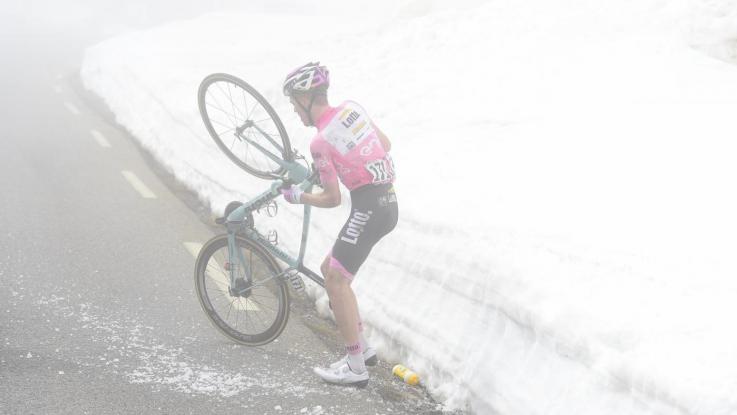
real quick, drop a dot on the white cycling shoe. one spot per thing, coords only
(369, 356)
(343, 375)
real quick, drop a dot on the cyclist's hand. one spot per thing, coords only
(292, 194)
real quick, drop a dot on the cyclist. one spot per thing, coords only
(348, 146)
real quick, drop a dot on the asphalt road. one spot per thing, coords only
(97, 308)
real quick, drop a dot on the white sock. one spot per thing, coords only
(355, 358)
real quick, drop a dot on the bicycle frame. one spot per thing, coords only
(236, 222)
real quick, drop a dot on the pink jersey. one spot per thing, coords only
(347, 145)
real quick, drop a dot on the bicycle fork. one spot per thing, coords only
(240, 287)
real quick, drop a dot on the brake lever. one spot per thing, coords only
(286, 183)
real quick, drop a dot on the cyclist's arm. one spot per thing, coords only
(328, 198)
(384, 140)
(323, 159)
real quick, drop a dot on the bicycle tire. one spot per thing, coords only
(213, 113)
(206, 286)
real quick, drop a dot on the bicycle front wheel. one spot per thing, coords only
(254, 313)
(244, 125)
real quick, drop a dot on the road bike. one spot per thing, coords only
(241, 286)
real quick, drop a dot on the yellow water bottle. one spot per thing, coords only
(407, 375)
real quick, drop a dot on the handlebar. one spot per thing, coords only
(280, 182)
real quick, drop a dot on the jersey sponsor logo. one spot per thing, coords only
(348, 130)
(348, 121)
(385, 200)
(342, 169)
(369, 147)
(358, 128)
(355, 226)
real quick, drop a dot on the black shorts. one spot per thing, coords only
(374, 213)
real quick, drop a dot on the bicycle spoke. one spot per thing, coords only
(245, 104)
(226, 94)
(217, 270)
(253, 107)
(211, 94)
(232, 103)
(216, 105)
(244, 111)
(225, 131)
(261, 320)
(235, 138)
(240, 307)
(229, 308)
(262, 305)
(250, 317)
(223, 294)
(220, 108)
(270, 299)
(219, 281)
(261, 295)
(212, 120)
(223, 125)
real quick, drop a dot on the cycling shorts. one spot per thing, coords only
(374, 213)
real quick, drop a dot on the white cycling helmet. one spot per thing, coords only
(306, 78)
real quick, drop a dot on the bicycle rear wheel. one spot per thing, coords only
(240, 120)
(259, 314)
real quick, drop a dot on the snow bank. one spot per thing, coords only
(565, 181)
(714, 27)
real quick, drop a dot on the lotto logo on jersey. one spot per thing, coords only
(350, 119)
(355, 226)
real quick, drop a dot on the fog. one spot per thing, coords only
(56, 33)
(596, 254)
(45, 40)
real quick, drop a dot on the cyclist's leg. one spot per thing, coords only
(352, 368)
(369, 354)
(324, 270)
(351, 250)
(345, 308)
(369, 221)
(343, 299)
